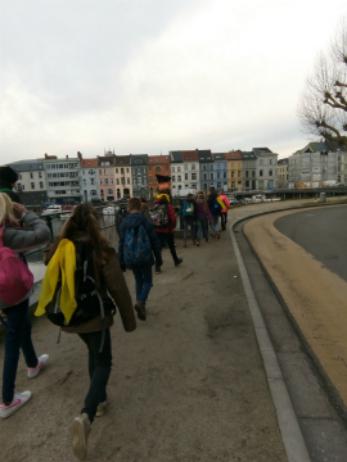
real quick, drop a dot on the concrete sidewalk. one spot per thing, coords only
(188, 385)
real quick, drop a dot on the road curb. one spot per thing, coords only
(290, 429)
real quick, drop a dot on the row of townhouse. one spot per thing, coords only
(234, 171)
(316, 165)
(111, 177)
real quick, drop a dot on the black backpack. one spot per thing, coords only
(91, 300)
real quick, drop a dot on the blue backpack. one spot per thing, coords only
(137, 249)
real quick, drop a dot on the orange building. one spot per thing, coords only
(157, 165)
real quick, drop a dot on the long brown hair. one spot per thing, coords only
(83, 225)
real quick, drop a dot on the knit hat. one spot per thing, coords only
(8, 175)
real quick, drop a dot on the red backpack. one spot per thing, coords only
(16, 280)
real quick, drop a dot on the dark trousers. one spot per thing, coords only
(143, 281)
(17, 337)
(99, 365)
(169, 239)
(189, 223)
(224, 219)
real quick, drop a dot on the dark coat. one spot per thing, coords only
(134, 220)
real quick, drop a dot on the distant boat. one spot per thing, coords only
(52, 209)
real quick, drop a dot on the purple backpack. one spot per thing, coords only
(16, 280)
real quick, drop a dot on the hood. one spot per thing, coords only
(134, 219)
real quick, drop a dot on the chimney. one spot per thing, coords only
(79, 155)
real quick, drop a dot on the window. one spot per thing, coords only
(157, 169)
(193, 176)
(106, 180)
(260, 173)
(128, 180)
(31, 175)
(32, 185)
(122, 171)
(270, 172)
(92, 181)
(41, 185)
(179, 178)
(186, 177)
(178, 169)
(40, 174)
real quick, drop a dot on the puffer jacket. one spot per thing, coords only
(33, 233)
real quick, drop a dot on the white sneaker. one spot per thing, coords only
(101, 409)
(80, 431)
(19, 400)
(42, 363)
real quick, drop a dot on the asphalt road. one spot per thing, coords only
(322, 233)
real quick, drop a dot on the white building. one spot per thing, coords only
(177, 172)
(266, 166)
(63, 179)
(90, 186)
(314, 166)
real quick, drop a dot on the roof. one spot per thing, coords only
(218, 155)
(233, 155)
(89, 163)
(205, 155)
(176, 156)
(158, 159)
(248, 155)
(263, 150)
(122, 161)
(28, 165)
(284, 161)
(190, 156)
(138, 159)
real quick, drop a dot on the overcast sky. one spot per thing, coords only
(149, 76)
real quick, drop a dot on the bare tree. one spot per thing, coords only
(324, 106)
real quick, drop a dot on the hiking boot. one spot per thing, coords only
(19, 400)
(42, 363)
(141, 311)
(80, 431)
(101, 409)
(178, 261)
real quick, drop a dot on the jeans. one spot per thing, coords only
(215, 225)
(143, 281)
(99, 365)
(189, 222)
(202, 229)
(168, 238)
(17, 337)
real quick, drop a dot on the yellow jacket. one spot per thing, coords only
(62, 267)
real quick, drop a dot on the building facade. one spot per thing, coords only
(139, 175)
(176, 170)
(157, 165)
(314, 166)
(123, 180)
(206, 169)
(266, 166)
(234, 171)
(282, 173)
(90, 185)
(106, 170)
(220, 171)
(63, 179)
(191, 171)
(31, 184)
(249, 170)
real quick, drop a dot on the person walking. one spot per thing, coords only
(163, 217)
(203, 217)
(139, 248)
(81, 245)
(215, 206)
(16, 317)
(224, 211)
(188, 216)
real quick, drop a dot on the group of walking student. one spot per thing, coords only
(84, 284)
(203, 216)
